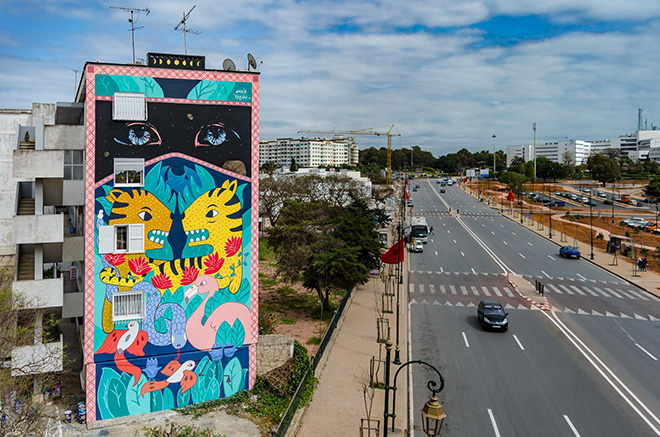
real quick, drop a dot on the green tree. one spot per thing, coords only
(269, 168)
(293, 166)
(603, 168)
(653, 188)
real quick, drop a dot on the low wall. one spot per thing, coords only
(273, 351)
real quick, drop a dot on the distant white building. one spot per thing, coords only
(310, 153)
(556, 151)
(524, 152)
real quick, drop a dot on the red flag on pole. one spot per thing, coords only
(509, 196)
(405, 195)
(395, 253)
(465, 180)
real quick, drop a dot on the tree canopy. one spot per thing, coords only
(604, 169)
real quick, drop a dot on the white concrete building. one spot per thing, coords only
(524, 152)
(310, 153)
(556, 151)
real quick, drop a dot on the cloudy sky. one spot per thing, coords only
(447, 73)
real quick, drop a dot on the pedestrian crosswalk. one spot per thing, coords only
(460, 290)
(461, 214)
(565, 310)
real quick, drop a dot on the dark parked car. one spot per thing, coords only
(607, 201)
(442, 190)
(491, 314)
(569, 252)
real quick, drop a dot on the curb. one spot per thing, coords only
(544, 307)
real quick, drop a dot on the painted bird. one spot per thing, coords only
(177, 373)
(131, 340)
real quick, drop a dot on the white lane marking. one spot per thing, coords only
(483, 225)
(501, 226)
(603, 369)
(637, 294)
(521, 255)
(505, 242)
(421, 288)
(590, 291)
(448, 231)
(530, 244)
(453, 289)
(443, 290)
(454, 241)
(551, 257)
(485, 290)
(492, 421)
(464, 290)
(645, 351)
(566, 289)
(462, 254)
(474, 290)
(614, 293)
(411, 286)
(497, 291)
(577, 434)
(436, 253)
(553, 288)
(431, 288)
(444, 224)
(545, 273)
(513, 233)
(603, 293)
(577, 289)
(581, 276)
(509, 292)
(441, 270)
(518, 341)
(473, 270)
(492, 232)
(625, 293)
(465, 339)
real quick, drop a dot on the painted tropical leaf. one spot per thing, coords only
(156, 401)
(160, 325)
(117, 398)
(150, 87)
(177, 297)
(182, 399)
(105, 86)
(223, 335)
(204, 90)
(212, 391)
(232, 378)
(193, 305)
(135, 402)
(168, 399)
(107, 375)
(238, 333)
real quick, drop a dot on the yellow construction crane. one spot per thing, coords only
(368, 131)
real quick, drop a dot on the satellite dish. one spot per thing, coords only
(228, 65)
(252, 62)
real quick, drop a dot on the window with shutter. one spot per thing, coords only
(129, 106)
(136, 238)
(106, 239)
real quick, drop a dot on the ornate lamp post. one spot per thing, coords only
(494, 162)
(432, 414)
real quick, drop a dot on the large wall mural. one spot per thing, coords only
(174, 321)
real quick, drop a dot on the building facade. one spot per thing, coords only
(310, 153)
(171, 212)
(524, 152)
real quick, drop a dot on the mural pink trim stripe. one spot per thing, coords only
(188, 101)
(255, 231)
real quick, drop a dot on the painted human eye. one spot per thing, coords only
(213, 135)
(138, 134)
(144, 215)
(212, 213)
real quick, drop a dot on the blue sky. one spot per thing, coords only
(447, 73)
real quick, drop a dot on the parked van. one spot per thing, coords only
(625, 198)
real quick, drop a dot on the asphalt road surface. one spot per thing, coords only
(588, 368)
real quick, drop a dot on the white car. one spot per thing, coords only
(418, 246)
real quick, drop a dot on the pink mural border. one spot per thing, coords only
(91, 70)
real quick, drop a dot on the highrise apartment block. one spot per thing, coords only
(310, 153)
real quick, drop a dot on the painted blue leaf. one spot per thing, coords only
(232, 377)
(238, 333)
(168, 399)
(243, 381)
(193, 305)
(182, 399)
(117, 398)
(156, 401)
(102, 394)
(178, 295)
(105, 86)
(213, 391)
(223, 335)
(168, 313)
(135, 402)
(160, 325)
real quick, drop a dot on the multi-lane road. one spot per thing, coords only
(587, 368)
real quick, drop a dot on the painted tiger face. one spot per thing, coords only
(140, 206)
(211, 220)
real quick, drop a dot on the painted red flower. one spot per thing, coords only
(189, 275)
(213, 263)
(232, 246)
(139, 266)
(116, 259)
(161, 281)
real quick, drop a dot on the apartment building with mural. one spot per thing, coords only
(142, 197)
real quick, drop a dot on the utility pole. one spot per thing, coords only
(132, 21)
(186, 30)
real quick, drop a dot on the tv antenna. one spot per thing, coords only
(186, 30)
(252, 62)
(132, 21)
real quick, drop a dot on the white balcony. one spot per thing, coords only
(34, 229)
(38, 358)
(30, 164)
(43, 293)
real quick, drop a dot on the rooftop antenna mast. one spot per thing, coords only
(132, 21)
(186, 30)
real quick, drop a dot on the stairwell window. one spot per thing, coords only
(129, 172)
(73, 165)
(127, 305)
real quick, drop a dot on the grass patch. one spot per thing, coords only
(287, 321)
(314, 340)
(268, 282)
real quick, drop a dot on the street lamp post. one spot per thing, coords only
(432, 414)
(534, 127)
(550, 214)
(399, 281)
(591, 225)
(494, 161)
(520, 201)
